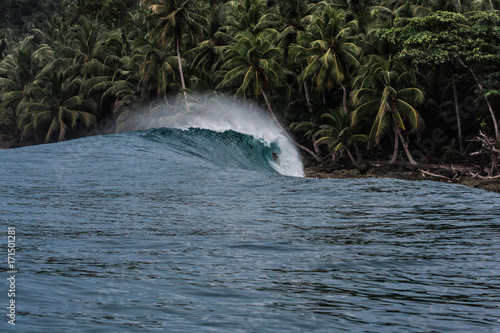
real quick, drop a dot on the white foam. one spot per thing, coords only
(222, 114)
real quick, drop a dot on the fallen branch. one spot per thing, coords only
(484, 177)
(435, 175)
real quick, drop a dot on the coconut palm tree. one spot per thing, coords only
(56, 106)
(291, 16)
(252, 67)
(208, 55)
(388, 10)
(247, 15)
(17, 72)
(387, 92)
(328, 52)
(173, 19)
(156, 68)
(339, 135)
(88, 40)
(310, 125)
(5, 41)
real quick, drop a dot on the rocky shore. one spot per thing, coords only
(469, 175)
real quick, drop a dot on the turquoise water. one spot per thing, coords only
(202, 231)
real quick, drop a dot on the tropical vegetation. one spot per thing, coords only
(350, 80)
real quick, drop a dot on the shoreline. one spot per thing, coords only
(447, 173)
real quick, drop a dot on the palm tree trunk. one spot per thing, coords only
(405, 146)
(358, 152)
(394, 158)
(352, 157)
(308, 101)
(315, 145)
(308, 97)
(165, 97)
(181, 73)
(273, 117)
(481, 87)
(164, 87)
(269, 108)
(344, 97)
(457, 111)
(306, 91)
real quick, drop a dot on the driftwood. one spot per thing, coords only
(478, 176)
(436, 175)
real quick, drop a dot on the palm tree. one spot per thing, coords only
(484, 5)
(4, 42)
(327, 49)
(172, 19)
(155, 66)
(387, 92)
(247, 15)
(110, 80)
(17, 72)
(339, 135)
(310, 124)
(252, 67)
(53, 31)
(56, 106)
(387, 11)
(293, 16)
(88, 40)
(208, 55)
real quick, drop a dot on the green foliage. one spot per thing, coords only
(110, 12)
(302, 59)
(55, 106)
(25, 14)
(337, 132)
(387, 91)
(430, 40)
(453, 39)
(327, 50)
(251, 65)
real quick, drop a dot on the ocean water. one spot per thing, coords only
(202, 230)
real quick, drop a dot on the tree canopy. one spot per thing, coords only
(337, 74)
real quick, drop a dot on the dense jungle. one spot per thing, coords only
(355, 83)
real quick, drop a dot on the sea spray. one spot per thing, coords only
(221, 114)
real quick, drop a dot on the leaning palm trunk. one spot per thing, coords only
(181, 73)
(394, 158)
(306, 92)
(273, 117)
(269, 108)
(353, 160)
(308, 101)
(407, 151)
(404, 143)
(315, 144)
(344, 97)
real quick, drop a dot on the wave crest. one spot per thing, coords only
(247, 130)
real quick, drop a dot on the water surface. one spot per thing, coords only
(202, 231)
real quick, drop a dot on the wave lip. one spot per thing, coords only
(229, 149)
(231, 119)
